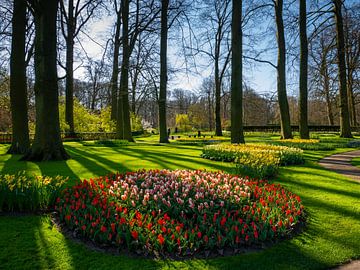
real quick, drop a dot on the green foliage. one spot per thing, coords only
(86, 121)
(136, 124)
(107, 125)
(107, 143)
(22, 193)
(311, 144)
(183, 122)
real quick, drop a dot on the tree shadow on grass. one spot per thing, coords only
(164, 159)
(94, 162)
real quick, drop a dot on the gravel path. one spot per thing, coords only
(341, 163)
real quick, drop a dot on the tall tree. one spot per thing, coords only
(115, 70)
(352, 52)
(281, 72)
(303, 80)
(163, 71)
(47, 143)
(345, 129)
(18, 91)
(72, 21)
(237, 132)
(123, 126)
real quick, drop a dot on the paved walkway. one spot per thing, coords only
(341, 163)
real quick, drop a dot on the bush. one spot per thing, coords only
(354, 144)
(180, 211)
(200, 140)
(107, 143)
(28, 194)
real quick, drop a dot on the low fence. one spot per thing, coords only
(81, 136)
(89, 136)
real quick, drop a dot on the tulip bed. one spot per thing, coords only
(179, 212)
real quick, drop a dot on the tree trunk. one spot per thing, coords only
(303, 81)
(326, 86)
(281, 76)
(351, 61)
(115, 69)
(124, 116)
(345, 129)
(47, 144)
(218, 129)
(163, 72)
(237, 130)
(210, 110)
(69, 87)
(18, 92)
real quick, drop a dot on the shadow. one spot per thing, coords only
(94, 162)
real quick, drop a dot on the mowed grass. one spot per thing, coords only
(332, 235)
(356, 162)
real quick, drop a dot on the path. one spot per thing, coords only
(341, 163)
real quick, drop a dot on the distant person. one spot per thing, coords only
(168, 132)
(176, 130)
(199, 133)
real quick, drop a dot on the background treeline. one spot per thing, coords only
(55, 60)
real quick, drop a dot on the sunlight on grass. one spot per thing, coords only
(332, 235)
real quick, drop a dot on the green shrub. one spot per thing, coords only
(107, 143)
(312, 144)
(28, 194)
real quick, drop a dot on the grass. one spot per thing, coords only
(331, 237)
(356, 162)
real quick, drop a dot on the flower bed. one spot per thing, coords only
(23, 193)
(254, 159)
(179, 212)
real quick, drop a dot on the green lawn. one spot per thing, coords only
(356, 162)
(331, 237)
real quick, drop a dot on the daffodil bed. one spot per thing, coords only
(179, 212)
(255, 160)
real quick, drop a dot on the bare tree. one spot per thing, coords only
(74, 16)
(163, 71)
(345, 129)
(281, 70)
(303, 78)
(18, 90)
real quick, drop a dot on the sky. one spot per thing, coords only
(260, 77)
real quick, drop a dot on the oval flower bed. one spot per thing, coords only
(179, 212)
(255, 160)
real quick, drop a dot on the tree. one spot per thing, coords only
(123, 125)
(47, 143)
(163, 71)
(281, 72)
(215, 44)
(352, 52)
(18, 90)
(237, 132)
(303, 80)
(115, 70)
(345, 129)
(72, 21)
